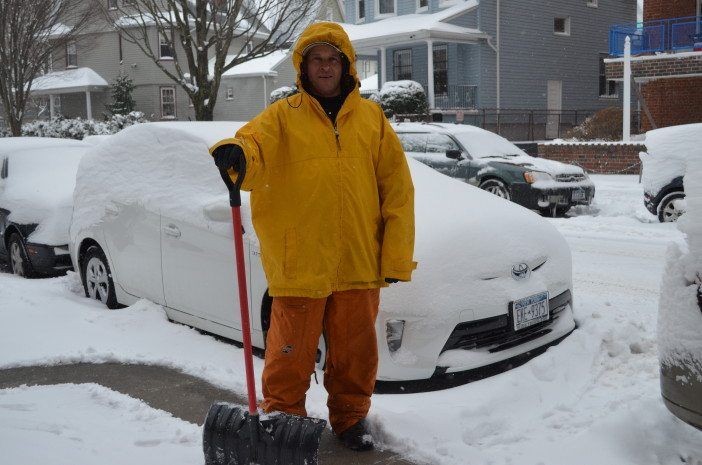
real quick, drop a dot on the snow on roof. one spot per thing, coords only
(369, 83)
(413, 26)
(262, 66)
(70, 80)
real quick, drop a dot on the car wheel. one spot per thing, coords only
(671, 207)
(497, 187)
(19, 262)
(97, 278)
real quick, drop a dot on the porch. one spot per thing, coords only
(664, 35)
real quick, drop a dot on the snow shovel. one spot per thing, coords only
(233, 436)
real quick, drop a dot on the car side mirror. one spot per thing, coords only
(454, 154)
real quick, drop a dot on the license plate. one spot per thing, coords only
(578, 194)
(530, 310)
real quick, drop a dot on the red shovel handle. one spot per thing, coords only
(235, 202)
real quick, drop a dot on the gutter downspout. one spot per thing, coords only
(265, 92)
(496, 48)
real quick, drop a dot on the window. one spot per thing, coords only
(71, 55)
(361, 10)
(592, 3)
(440, 69)
(49, 64)
(413, 142)
(111, 4)
(440, 143)
(168, 103)
(385, 7)
(561, 26)
(402, 64)
(422, 5)
(165, 50)
(230, 93)
(129, 2)
(608, 88)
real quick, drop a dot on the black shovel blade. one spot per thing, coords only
(231, 436)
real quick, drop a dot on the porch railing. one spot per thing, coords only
(661, 35)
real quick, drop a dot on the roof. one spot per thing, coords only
(262, 66)
(68, 81)
(414, 27)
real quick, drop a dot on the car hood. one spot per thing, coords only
(551, 167)
(466, 237)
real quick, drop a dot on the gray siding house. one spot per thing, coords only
(102, 54)
(485, 58)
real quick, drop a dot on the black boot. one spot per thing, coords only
(357, 437)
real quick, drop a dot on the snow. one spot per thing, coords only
(667, 152)
(680, 316)
(262, 66)
(90, 424)
(70, 80)
(39, 188)
(594, 398)
(370, 83)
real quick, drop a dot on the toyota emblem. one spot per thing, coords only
(521, 271)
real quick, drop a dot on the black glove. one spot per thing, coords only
(391, 280)
(228, 156)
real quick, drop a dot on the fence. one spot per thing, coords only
(656, 36)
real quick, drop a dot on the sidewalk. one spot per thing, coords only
(184, 396)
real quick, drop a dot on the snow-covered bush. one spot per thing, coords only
(283, 92)
(403, 98)
(605, 124)
(78, 128)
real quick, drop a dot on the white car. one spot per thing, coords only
(37, 177)
(493, 163)
(152, 220)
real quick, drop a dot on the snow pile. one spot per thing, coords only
(39, 189)
(70, 424)
(668, 148)
(370, 83)
(680, 317)
(165, 167)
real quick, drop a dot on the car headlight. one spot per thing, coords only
(394, 329)
(532, 176)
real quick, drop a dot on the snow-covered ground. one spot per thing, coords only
(592, 399)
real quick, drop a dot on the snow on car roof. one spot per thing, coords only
(8, 144)
(666, 149)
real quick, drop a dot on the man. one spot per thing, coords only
(333, 205)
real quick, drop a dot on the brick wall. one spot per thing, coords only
(660, 66)
(673, 101)
(662, 9)
(596, 158)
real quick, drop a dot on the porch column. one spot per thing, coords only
(430, 73)
(52, 108)
(382, 66)
(88, 105)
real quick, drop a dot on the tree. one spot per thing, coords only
(208, 37)
(122, 101)
(29, 31)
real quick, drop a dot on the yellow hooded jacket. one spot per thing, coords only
(333, 207)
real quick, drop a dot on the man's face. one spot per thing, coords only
(324, 69)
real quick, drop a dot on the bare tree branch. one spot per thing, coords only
(29, 31)
(208, 37)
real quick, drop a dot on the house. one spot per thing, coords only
(666, 63)
(528, 68)
(78, 78)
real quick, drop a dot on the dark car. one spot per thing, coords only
(37, 176)
(494, 164)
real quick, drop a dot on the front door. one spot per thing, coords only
(554, 105)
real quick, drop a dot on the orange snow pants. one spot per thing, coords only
(348, 321)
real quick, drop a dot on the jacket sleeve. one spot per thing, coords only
(259, 139)
(396, 206)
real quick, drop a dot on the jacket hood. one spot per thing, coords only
(331, 33)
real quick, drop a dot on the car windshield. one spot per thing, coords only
(488, 145)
